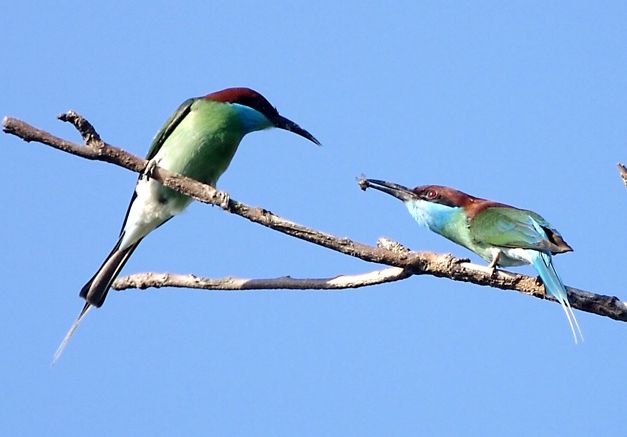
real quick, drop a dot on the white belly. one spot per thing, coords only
(514, 256)
(149, 211)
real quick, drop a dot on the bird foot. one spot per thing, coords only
(493, 272)
(493, 264)
(224, 199)
(150, 169)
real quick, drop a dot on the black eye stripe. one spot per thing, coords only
(259, 104)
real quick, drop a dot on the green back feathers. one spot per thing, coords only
(503, 226)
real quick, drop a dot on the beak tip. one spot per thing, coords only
(288, 125)
(314, 140)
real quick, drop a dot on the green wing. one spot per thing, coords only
(169, 127)
(516, 228)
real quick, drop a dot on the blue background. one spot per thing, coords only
(521, 102)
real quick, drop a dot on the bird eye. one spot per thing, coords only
(432, 194)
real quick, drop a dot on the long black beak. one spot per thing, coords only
(396, 190)
(284, 123)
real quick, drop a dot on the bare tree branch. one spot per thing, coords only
(623, 173)
(414, 263)
(342, 282)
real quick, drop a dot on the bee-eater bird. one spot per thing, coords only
(501, 234)
(198, 141)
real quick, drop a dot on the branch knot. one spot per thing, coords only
(84, 127)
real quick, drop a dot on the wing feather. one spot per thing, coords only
(169, 126)
(516, 228)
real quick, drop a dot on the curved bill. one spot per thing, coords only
(396, 190)
(284, 123)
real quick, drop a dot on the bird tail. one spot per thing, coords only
(96, 289)
(555, 287)
(70, 332)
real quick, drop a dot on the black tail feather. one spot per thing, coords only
(96, 289)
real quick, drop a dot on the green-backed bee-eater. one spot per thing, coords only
(501, 234)
(198, 141)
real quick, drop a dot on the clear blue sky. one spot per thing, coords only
(524, 102)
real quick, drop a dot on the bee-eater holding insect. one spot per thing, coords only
(197, 141)
(501, 234)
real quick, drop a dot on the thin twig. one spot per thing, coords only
(416, 263)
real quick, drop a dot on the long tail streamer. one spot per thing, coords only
(555, 287)
(69, 334)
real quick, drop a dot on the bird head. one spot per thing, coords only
(436, 194)
(430, 205)
(256, 112)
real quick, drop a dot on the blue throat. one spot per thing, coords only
(435, 216)
(251, 119)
